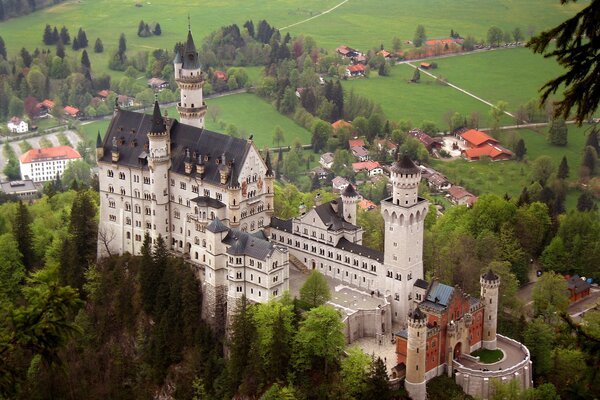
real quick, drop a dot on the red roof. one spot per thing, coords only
(343, 50)
(48, 103)
(366, 204)
(357, 68)
(368, 165)
(340, 123)
(72, 111)
(61, 152)
(422, 137)
(356, 143)
(15, 120)
(433, 42)
(384, 53)
(220, 75)
(458, 192)
(491, 150)
(477, 138)
(103, 93)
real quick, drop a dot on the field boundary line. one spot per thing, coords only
(460, 90)
(315, 16)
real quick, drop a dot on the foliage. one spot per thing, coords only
(420, 36)
(557, 134)
(577, 56)
(550, 296)
(315, 291)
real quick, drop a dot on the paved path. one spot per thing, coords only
(314, 16)
(512, 356)
(461, 90)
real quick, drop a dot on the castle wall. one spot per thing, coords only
(367, 323)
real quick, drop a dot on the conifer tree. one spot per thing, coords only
(585, 202)
(2, 48)
(148, 278)
(520, 149)
(23, 235)
(64, 35)
(141, 26)
(98, 46)
(557, 135)
(242, 333)
(75, 44)
(592, 140)
(122, 44)
(82, 39)
(563, 169)
(47, 38)
(55, 36)
(523, 198)
(82, 227)
(157, 30)
(378, 382)
(590, 159)
(26, 57)
(60, 50)
(85, 60)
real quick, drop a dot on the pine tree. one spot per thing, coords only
(249, 25)
(315, 184)
(378, 382)
(85, 60)
(23, 235)
(122, 44)
(75, 45)
(60, 50)
(55, 36)
(520, 149)
(149, 281)
(47, 38)
(141, 26)
(563, 169)
(157, 30)
(82, 39)
(82, 228)
(590, 159)
(557, 135)
(585, 202)
(27, 59)
(98, 46)
(592, 140)
(241, 336)
(2, 47)
(64, 35)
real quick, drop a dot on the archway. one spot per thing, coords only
(457, 350)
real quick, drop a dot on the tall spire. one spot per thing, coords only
(158, 123)
(190, 55)
(98, 140)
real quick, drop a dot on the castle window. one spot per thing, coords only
(127, 221)
(111, 204)
(122, 175)
(136, 178)
(259, 265)
(138, 238)
(219, 196)
(136, 193)
(176, 214)
(275, 292)
(148, 225)
(182, 185)
(110, 173)
(409, 276)
(146, 180)
(111, 189)
(397, 297)
(128, 235)
(373, 268)
(112, 218)
(194, 188)
(147, 210)
(172, 182)
(206, 192)
(122, 192)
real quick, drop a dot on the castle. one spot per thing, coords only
(211, 197)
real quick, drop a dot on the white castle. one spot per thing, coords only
(211, 197)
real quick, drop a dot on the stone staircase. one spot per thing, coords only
(299, 265)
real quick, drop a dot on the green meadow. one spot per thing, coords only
(427, 100)
(250, 114)
(511, 176)
(513, 75)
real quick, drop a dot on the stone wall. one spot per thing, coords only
(368, 323)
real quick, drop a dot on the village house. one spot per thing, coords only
(321, 173)
(340, 123)
(438, 182)
(360, 153)
(23, 190)
(356, 71)
(72, 112)
(124, 101)
(389, 146)
(366, 205)
(429, 142)
(338, 184)
(326, 160)
(157, 84)
(103, 94)
(479, 144)
(347, 52)
(220, 75)
(372, 167)
(460, 196)
(356, 143)
(42, 165)
(385, 54)
(17, 125)
(44, 108)
(577, 287)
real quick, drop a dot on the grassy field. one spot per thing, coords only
(427, 100)
(511, 176)
(363, 24)
(249, 113)
(512, 75)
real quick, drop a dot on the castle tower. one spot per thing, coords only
(159, 163)
(403, 214)
(350, 200)
(269, 177)
(188, 76)
(415, 355)
(490, 283)
(214, 305)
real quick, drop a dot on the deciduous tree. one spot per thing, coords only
(315, 290)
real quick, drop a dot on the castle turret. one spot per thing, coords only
(416, 355)
(269, 177)
(99, 147)
(404, 215)
(159, 163)
(490, 283)
(350, 200)
(190, 80)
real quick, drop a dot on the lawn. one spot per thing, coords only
(488, 356)
(514, 75)
(509, 177)
(427, 100)
(248, 112)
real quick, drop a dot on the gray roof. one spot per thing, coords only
(17, 186)
(405, 166)
(334, 221)
(242, 243)
(440, 293)
(131, 129)
(190, 55)
(217, 226)
(349, 191)
(358, 249)
(417, 314)
(205, 201)
(420, 283)
(282, 224)
(490, 276)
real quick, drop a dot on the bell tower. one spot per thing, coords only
(416, 355)
(189, 78)
(490, 283)
(404, 216)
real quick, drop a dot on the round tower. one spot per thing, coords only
(190, 80)
(415, 355)
(490, 284)
(405, 177)
(269, 177)
(159, 163)
(350, 200)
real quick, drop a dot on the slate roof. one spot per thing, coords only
(405, 166)
(242, 243)
(354, 248)
(418, 314)
(349, 191)
(420, 283)
(335, 221)
(282, 224)
(439, 293)
(490, 276)
(131, 129)
(217, 226)
(205, 201)
(578, 285)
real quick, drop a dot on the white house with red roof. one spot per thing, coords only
(372, 167)
(357, 70)
(72, 112)
(41, 165)
(460, 196)
(479, 144)
(17, 125)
